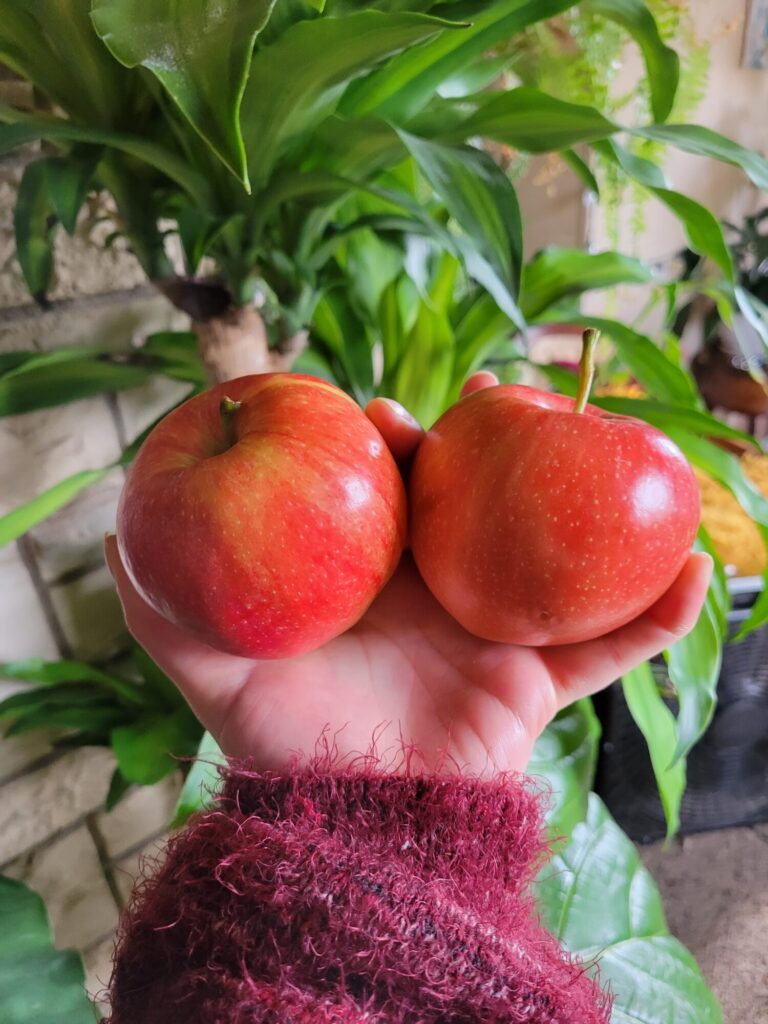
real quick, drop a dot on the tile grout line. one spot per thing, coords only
(26, 551)
(104, 861)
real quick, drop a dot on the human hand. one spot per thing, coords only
(406, 672)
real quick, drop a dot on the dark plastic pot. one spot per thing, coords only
(727, 769)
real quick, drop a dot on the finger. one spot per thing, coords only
(396, 425)
(479, 381)
(208, 679)
(579, 670)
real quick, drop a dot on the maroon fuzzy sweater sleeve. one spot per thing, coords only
(327, 896)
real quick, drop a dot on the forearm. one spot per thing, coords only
(345, 896)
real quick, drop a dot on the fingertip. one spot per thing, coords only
(478, 382)
(679, 608)
(397, 426)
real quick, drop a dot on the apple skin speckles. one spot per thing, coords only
(558, 527)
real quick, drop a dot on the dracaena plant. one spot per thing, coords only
(248, 132)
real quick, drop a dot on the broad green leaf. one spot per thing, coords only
(159, 688)
(423, 374)
(90, 719)
(657, 724)
(565, 757)
(480, 198)
(118, 787)
(54, 673)
(702, 229)
(201, 783)
(646, 362)
(556, 273)
(704, 142)
(335, 323)
(663, 415)
(694, 668)
(52, 42)
(725, 468)
(661, 62)
(37, 982)
(299, 79)
(16, 522)
(534, 121)
(69, 179)
(149, 749)
(405, 86)
(582, 170)
(653, 978)
(33, 222)
(644, 171)
(47, 385)
(481, 329)
(18, 129)
(200, 52)
(758, 615)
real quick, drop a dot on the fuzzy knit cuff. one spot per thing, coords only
(327, 896)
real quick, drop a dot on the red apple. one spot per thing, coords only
(264, 515)
(536, 524)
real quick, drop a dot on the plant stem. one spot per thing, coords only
(227, 409)
(590, 339)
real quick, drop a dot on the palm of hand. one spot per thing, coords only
(407, 673)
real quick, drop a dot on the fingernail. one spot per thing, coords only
(401, 412)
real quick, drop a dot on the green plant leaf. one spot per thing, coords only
(423, 375)
(148, 749)
(531, 120)
(565, 756)
(661, 62)
(200, 52)
(45, 384)
(657, 724)
(91, 719)
(704, 142)
(54, 673)
(694, 668)
(555, 273)
(646, 362)
(725, 468)
(344, 334)
(160, 691)
(702, 228)
(480, 198)
(18, 129)
(299, 79)
(582, 170)
(22, 518)
(654, 979)
(663, 415)
(202, 782)
(37, 982)
(404, 86)
(33, 222)
(53, 43)
(69, 179)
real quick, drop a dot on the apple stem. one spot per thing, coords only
(227, 409)
(590, 339)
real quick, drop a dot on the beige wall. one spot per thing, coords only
(735, 104)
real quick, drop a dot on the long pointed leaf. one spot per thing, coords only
(657, 724)
(18, 129)
(200, 52)
(33, 222)
(704, 142)
(404, 87)
(481, 199)
(661, 61)
(299, 79)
